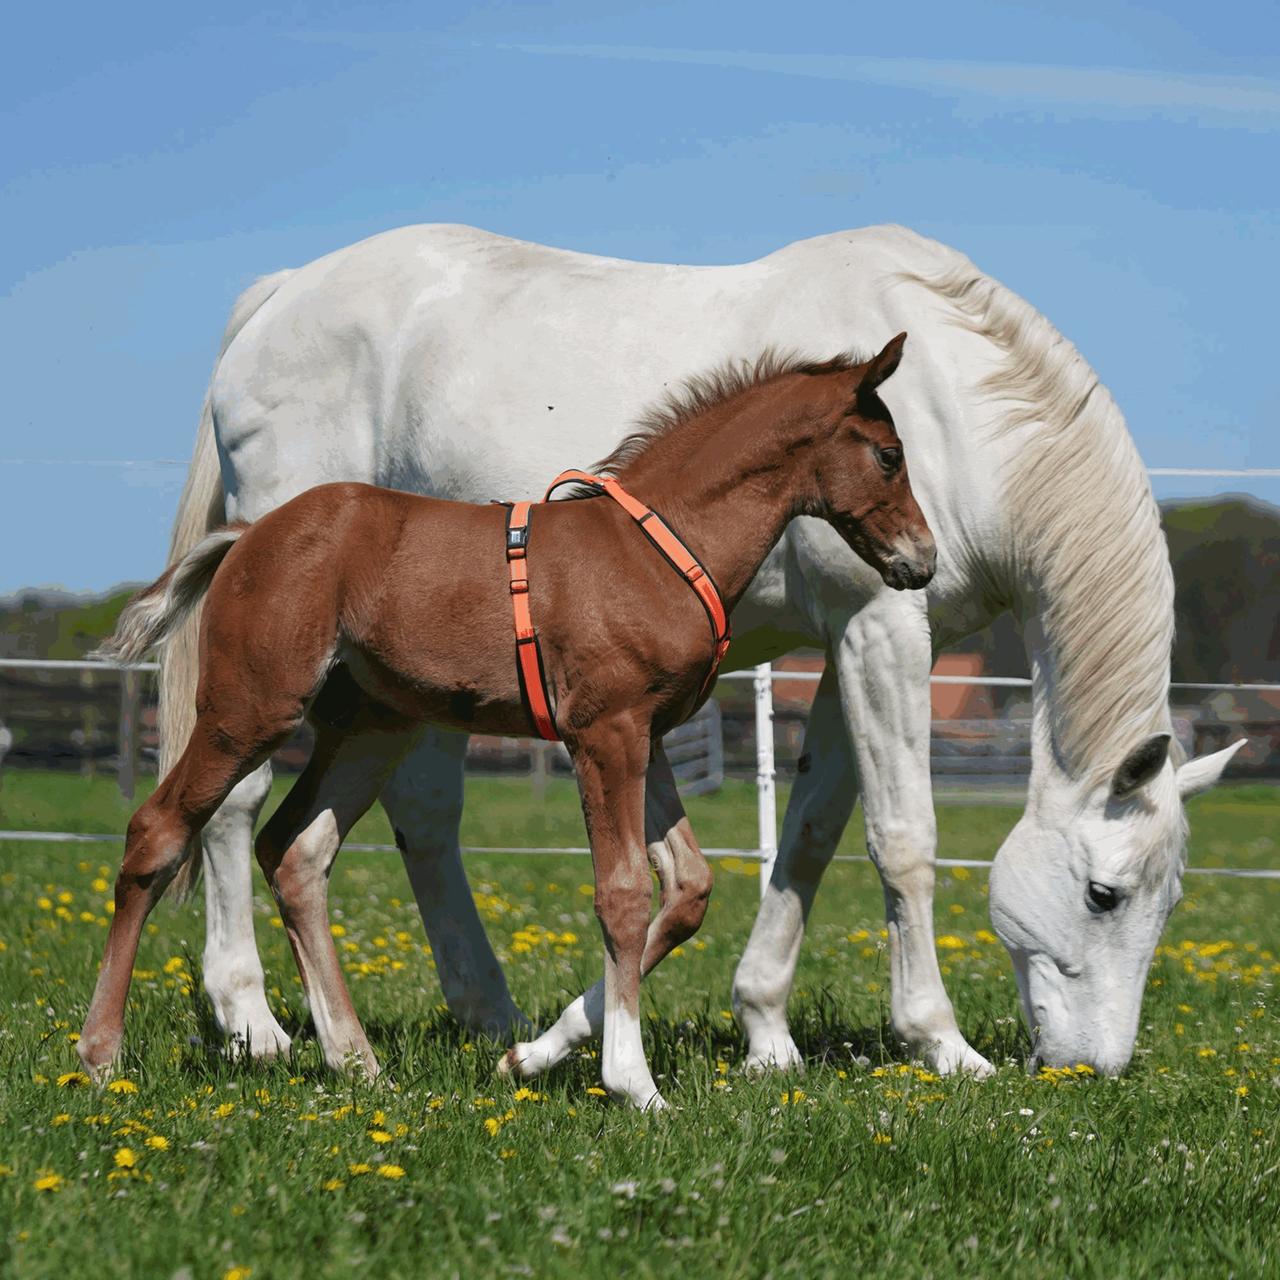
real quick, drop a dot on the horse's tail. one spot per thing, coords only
(201, 509)
(156, 611)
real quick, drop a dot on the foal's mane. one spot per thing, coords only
(1085, 528)
(704, 391)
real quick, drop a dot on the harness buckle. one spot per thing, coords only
(517, 538)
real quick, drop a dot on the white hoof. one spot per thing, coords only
(954, 1056)
(779, 1053)
(262, 1040)
(527, 1059)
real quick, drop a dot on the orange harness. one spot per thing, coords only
(533, 684)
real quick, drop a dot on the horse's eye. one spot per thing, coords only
(1102, 897)
(890, 459)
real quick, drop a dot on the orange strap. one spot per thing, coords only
(528, 654)
(679, 556)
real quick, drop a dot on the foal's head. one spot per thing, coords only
(860, 473)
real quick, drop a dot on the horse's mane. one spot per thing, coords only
(704, 391)
(1085, 528)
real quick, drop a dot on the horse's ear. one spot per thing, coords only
(883, 366)
(1200, 774)
(1140, 765)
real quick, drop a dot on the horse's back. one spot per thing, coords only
(397, 359)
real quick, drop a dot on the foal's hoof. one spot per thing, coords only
(97, 1056)
(510, 1062)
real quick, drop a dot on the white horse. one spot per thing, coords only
(449, 361)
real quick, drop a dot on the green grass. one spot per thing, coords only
(1173, 1170)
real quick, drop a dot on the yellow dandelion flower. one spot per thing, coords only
(596, 1092)
(1242, 1091)
(224, 1109)
(379, 1136)
(492, 1125)
(237, 1273)
(158, 1143)
(338, 930)
(436, 1104)
(355, 1170)
(795, 1096)
(334, 1184)
(99, 885)
(122, 1086)
(949, 942)
(49, 1182)
(390, 1171)
(72, 1079)
(882, 1139)
(126, 1158)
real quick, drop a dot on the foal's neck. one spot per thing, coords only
(730, 480)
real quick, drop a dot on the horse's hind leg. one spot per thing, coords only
(296, 850)
(219, 754)
(423, 800)
(233, 978)
(685, 881)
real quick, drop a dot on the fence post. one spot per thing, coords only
(766, 794)
(540, 769)
(127, 754)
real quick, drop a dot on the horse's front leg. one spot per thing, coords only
(883, 660)
(822, 799)
(423, 800)
(685, 882)
(611, 758)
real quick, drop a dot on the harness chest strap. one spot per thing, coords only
(685, 563)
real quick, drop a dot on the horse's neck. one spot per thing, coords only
(728, 488)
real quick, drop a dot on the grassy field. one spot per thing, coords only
(193, 1165)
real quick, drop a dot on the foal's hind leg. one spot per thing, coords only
(296, 850)
(685, 881)
(219, 754)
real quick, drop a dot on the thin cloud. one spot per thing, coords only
(1226, 101)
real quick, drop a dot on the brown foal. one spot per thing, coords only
(370, 612)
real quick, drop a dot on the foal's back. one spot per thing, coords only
(411, 594)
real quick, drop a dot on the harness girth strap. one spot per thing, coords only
(529, 655)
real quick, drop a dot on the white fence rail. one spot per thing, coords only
(704, 767)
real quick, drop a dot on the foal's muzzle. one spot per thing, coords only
(910, 572)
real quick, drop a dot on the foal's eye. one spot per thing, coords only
(1102, 897)
(890, 459)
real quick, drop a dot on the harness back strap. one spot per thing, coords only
(685, 563)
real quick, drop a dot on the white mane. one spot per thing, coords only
(1086, 536)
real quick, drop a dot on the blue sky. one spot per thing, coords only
(1114, 163)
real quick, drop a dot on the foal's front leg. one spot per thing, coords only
(610, 759)
(685, 881)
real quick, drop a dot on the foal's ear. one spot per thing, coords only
(883, 366)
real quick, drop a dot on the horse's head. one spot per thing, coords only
(1080, 892)
(861, 474)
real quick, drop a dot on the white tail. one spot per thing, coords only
(201, 509)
